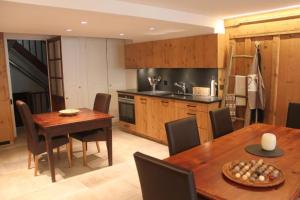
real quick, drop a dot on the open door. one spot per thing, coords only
(6, 123)
(56, 74)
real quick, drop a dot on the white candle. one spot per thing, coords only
(268, 141)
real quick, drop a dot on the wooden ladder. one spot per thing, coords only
(228, 77)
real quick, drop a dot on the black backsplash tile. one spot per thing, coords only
(192, 78)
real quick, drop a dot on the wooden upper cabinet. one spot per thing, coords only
(204, 51)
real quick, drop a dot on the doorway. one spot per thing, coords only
(29, 75)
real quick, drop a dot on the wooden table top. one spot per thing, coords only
(206, 162)
(50, 119)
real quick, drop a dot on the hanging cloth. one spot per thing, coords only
(256, 88)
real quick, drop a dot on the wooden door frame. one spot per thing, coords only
(7, 37)
(51, 39)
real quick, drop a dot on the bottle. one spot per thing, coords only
(213, 89)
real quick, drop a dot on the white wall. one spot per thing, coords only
(131, 78)
(93, 65)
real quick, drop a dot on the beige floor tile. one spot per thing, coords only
(95, 181)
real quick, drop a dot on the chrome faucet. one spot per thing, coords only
(181, 85)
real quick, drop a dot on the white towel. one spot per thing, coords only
(240, 89)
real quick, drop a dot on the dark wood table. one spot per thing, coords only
(52, 124)
(206, 162)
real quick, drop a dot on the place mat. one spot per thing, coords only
(256, 149)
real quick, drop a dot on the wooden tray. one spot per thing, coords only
(262, 184)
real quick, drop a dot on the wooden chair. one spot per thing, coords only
(101, 104)
(36, 143)
(182, 135)
(221, 122)
(162, 181)
(293, 116)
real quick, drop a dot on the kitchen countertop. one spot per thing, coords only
(172, 95)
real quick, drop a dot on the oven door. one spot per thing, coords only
(127, 112)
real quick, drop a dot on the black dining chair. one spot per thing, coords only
(36, 143)
(182, 135)
(293, 116)
(101, 104)
(220, 122)
(162, 181)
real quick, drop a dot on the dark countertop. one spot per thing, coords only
(171, 95)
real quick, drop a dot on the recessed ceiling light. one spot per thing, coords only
(83, 22)
(122, 34)
(151, 28)
(69, 30)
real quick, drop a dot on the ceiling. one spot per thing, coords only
(219, 8)
(109, 18)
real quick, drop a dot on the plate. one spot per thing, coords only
(230, 174)
(68, 112)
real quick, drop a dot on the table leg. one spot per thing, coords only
(109, 144)
(50, 157)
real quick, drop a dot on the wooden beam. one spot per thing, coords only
(264, 17)
(275, 71)
(265, 34)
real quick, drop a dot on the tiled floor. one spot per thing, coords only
(96, 181)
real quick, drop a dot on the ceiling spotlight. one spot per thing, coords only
(69, 30)
(122, 34)
(83, 22)
(151, 28)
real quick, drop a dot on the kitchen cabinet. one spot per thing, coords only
(203, 51)
(201, 112)
(161, 112)
(142, 106)
(152, 113)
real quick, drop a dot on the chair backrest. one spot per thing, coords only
(221, 122)
(31, 132)
(162, 181)
(102, 102)
(182, 135)
(293, 116)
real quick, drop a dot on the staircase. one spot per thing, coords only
(29, 73)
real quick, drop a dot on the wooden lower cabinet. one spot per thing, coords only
(142, 107)
(152, 113)
(161, 112)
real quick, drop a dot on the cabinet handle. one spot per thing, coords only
(143, 99)
(192, 106)
(164, 101)
(193, 114)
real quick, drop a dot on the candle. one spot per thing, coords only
(268, 141)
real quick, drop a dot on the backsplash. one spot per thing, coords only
(192, 77)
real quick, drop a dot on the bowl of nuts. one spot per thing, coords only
(255, 173)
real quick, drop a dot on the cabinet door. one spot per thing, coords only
(167, 114)
(161, 112)
(6, 123)
(141, 112)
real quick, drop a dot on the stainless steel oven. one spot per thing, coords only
(126, 108)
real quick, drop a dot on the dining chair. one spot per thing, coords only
(221, 122)
(182, 135)
(101, 104)
(162, 181)
(293, 116)
(36, 143)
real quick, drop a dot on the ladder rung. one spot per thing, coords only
(240, 119)
(242, 56)
(241, 96)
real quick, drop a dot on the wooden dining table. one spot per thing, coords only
(54, 124)
(206, 162)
